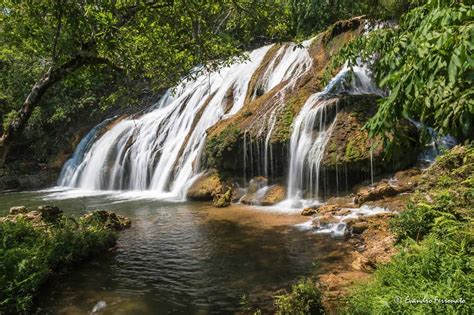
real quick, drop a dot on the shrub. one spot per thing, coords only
(29, 255)
(304, 298)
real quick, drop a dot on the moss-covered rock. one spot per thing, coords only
(222, 200)
(107, 219)
(351, 156)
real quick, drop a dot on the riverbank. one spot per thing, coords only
(417, 250)
(41, 244)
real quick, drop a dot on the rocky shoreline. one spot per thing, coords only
(368, 231)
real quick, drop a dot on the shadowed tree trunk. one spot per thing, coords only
(52, 76)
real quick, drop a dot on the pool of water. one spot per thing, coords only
(185, 258)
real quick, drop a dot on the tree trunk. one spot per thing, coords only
(52, 76)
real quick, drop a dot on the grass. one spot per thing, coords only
(30, 255)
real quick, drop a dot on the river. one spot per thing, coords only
(188, 258)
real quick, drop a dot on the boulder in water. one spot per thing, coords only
(18, 210)
(205, 187)
(357, 225)
(274, 195)
(256, 184)
(223, 200)
(265, 196)
(237, 193)
(324, 220)
(308, 211)
(108, 219)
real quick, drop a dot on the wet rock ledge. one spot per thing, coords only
(46, 214)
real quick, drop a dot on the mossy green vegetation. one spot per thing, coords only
(433, 272)
(221, 144)
(30, 254)
(304, 298)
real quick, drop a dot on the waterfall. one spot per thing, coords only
(290, 63)
(71, 165)
(160, 151)
(312, 129)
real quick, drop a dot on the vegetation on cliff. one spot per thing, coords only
(38, 244)
(436, 240)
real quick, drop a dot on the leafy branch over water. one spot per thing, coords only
(426, 63)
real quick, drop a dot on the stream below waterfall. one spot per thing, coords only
(185, 257)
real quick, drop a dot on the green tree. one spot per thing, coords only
(159, 41)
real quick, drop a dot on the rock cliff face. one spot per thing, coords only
(261, 130)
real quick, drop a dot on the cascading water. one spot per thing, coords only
(290, 63)
(84, 145)
(312, 129)
(160, 151)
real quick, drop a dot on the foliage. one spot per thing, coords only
(306, 17)
(304, 298)
(30, 255)
(436, 246)
(426, 64)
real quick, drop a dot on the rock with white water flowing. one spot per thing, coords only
(99, 306)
